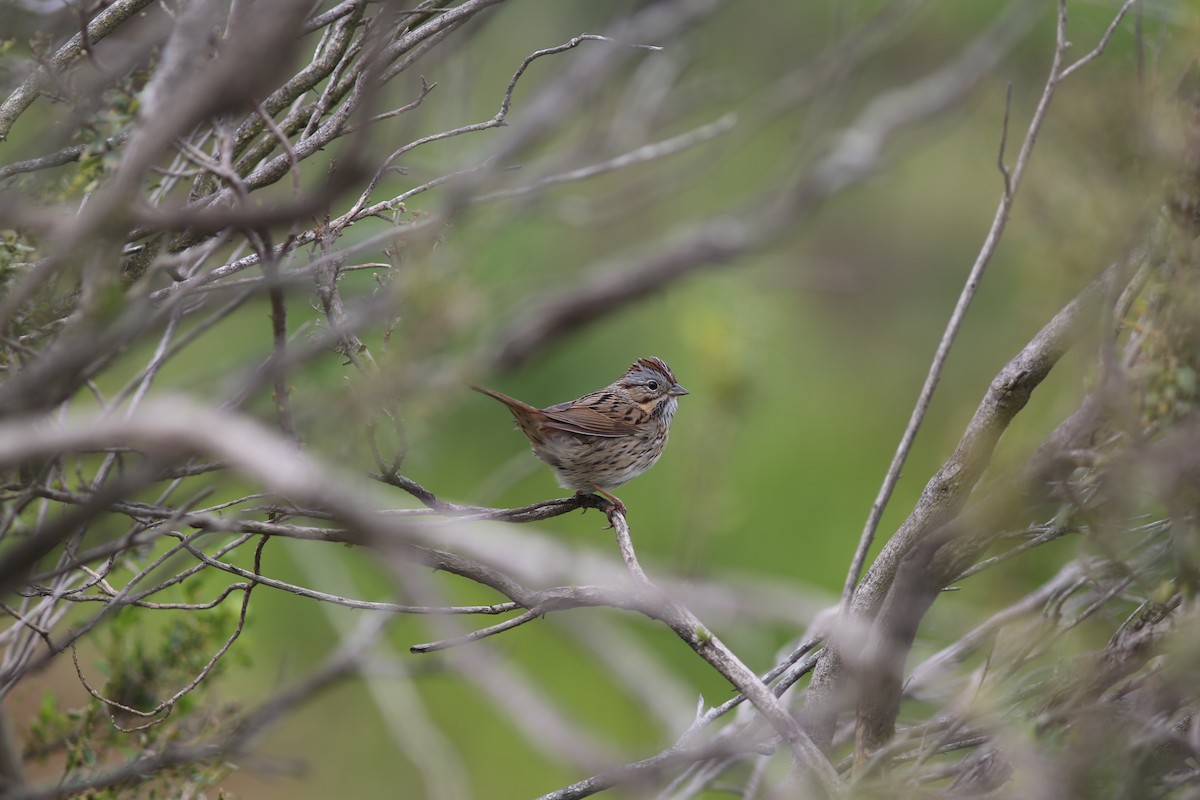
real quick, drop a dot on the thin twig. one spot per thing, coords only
(689, 628)
(958, 315)
(474, 636)
(1008, 190)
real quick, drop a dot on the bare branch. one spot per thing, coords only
(111, 17)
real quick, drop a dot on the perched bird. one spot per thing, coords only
(607, 438)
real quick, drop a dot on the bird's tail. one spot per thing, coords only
(513, 403)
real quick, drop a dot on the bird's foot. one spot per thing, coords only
(615, 505)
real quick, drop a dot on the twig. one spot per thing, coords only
(104, 23)
(366, 605)
(474, 636)
(534, 512)
(657, 764)
(1008, 188)
(279, 336)
(236, 737)
(689, 628)
(957, 316)
(728, 236)
(1104, 40)
(640, 155)
(66, 155)
(625, 544)
(1049, 534)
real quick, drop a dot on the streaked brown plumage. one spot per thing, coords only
(607, 438)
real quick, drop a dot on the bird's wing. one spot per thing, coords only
(578, 416)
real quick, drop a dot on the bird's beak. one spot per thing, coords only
(677, 391)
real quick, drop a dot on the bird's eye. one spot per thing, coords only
(652, 386)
